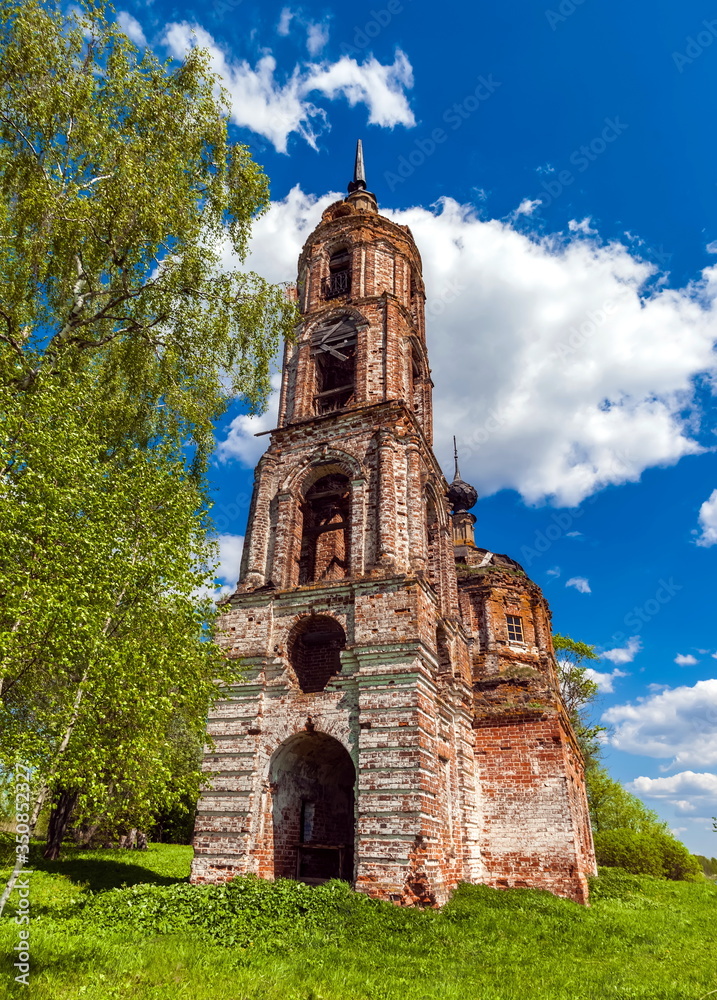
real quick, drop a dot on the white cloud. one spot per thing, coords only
(580, 584)
(380, 88)
(241, 441)
(679, 723)
(604, 681)
(230, 550)
(275, 110)
(708, 521)
(131, 27)
(587, 367)
(574, 534)
(583, 227)
(624, 654)
(711, 247)
(554, 572)
(687, 792)
(285, 19)
(686, 660)
(317, 37)
(527, 207)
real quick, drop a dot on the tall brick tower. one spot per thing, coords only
(358, 744)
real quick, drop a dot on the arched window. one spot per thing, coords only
(338, 281)
(325, 534)
(333, 346)
(314, 649)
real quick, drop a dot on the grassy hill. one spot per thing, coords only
(110, 924)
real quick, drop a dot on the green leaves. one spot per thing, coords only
(123, 333)
(121, 199)
(98, 570)
(579, 691)
(651, 853)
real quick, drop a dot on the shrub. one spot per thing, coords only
(677, 862)
(634, 852)
(653, 853)
(239, 913)
(709, 865)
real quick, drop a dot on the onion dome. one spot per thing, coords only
(461, 495)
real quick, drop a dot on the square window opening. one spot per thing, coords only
(515, 628)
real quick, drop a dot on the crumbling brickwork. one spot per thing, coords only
(388, 729)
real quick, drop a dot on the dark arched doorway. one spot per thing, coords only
(313, 779)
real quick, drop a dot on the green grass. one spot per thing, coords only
(642, 939)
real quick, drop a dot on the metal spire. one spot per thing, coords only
(359, 181)
(455, 457)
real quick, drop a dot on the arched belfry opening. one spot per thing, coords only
(338, 280)
(326, 512)
(313, 779)
(314, 649)
(333, 347)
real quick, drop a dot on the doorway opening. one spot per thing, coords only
(313, 780)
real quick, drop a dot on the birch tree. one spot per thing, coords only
(126, 325)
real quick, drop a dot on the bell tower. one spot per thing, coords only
(348, 750)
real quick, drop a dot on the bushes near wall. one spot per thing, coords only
(653, 853)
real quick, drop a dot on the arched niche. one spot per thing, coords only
(313, 784)
(417, 378)
(443, 651)
(433, 527)
(314, 648)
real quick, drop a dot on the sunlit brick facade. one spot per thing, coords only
(399, 723)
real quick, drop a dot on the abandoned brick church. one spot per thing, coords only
(399, 723)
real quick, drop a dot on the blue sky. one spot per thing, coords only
(556, 163)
